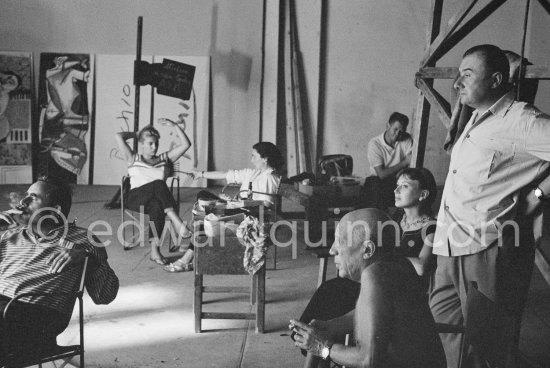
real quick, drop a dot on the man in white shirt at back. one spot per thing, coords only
(389, 153)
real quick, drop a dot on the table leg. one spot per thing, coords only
(197, 303)
(260, 301)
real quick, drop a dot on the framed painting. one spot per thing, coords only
(65, 96)
(16, 86)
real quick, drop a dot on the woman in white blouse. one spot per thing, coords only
(265, 178)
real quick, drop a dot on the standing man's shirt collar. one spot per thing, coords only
(501, 106)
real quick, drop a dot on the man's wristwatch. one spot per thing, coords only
(539, 194)
(325, 351)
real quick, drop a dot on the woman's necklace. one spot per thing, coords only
(415, 224)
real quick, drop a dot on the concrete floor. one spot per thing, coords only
(150, 324)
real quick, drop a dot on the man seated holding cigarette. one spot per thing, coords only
(392, 322)
(40, 253)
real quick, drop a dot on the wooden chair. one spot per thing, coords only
(488, 331)
(57, 352)
(223, 255)
(124, 189)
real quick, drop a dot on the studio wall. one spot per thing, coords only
(227, 31)
(373, 50)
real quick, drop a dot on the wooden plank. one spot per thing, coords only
(542, 262)
(270, 69)
(463, 31)
(301, 146)
(197, 302)
(422, 112)
(137, 88)
(442, 106)
(451, 27)
(321, 105)
(432, 30)
(420, 131)
(260, 301)
(437, 73)
(531, 72)
(291, 154)
(537, 72)
(299, 124)
(225, 289)
(546, 5)
(228, 315)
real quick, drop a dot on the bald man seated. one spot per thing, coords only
(392, 322)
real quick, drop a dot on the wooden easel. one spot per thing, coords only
(438, 44)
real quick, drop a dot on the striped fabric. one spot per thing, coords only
(142, 173)
(23, 268)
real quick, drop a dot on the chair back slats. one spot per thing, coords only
(335, 165)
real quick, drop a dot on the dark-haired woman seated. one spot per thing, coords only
(265, 178)
(415, 194)
(148, 172)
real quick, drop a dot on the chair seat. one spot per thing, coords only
(50, 354)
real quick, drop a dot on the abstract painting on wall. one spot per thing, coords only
(65, 98)
(15, 108)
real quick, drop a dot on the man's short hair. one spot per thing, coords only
(495, 59)
(401, 118)
(61, 193)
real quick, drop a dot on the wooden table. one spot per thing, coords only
(223, 255)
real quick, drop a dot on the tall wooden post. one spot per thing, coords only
(422, 116)
(137, 94)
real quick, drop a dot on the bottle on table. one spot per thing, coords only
(249, 193)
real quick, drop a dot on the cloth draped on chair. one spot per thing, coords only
(253, 234)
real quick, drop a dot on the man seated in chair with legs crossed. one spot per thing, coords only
(41, 253)
(392, 323)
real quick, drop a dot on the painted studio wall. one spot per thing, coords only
(227, 31)
(373, 50)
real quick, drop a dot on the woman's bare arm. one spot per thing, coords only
(121, 138)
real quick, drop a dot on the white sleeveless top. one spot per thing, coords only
(142, 173)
